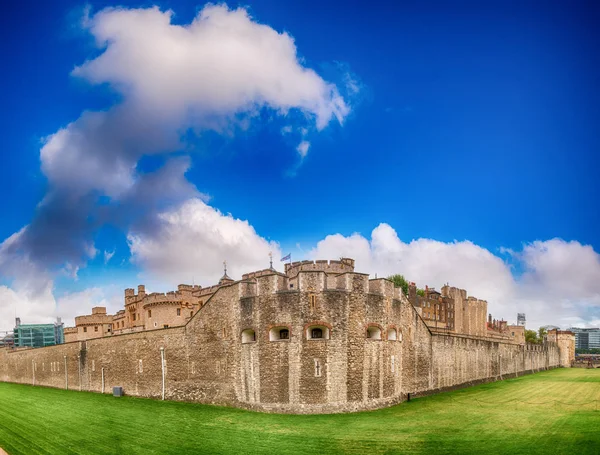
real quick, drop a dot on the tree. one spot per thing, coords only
(542, 333)
(399, 282)
(531, 336)
(421, 292)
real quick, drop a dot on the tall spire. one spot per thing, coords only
(270, 260)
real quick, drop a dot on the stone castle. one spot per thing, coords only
(320, 337)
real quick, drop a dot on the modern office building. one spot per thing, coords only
(38, 335)
(586, 338)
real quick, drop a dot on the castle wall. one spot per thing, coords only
(376, 350)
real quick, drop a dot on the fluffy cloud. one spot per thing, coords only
(192, 241)
(31, 306)
(560, 284)
(221, 64)
(41, 306)
(174, 82)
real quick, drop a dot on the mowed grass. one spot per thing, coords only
(550, 412)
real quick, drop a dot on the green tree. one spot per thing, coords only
(542, 332)
(421, 292)
(531, 336)
(400, 282)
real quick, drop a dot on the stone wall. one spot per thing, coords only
(376, 349)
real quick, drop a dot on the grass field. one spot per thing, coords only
(554, 412)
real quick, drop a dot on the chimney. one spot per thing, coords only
(17, 322)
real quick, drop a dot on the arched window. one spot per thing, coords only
(392, 334)
(317, 332)
(374, 332)
(248, 336)
(279, 334)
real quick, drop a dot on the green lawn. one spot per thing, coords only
(554, 412)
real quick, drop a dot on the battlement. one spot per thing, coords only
(207, 291)
(189, 287)
(333, 266)
(99, 310)
(93, 319)
(131, 296)
(385, 287)
(260, 273)
(158, 298)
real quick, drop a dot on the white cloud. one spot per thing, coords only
(31, 306)
(108, 256)
(561, 284)
(174, 82)
(79, 303)
(191, 242)
(303, 148)
(43, 307)
(223, 63)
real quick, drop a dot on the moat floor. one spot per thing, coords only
(556, 411)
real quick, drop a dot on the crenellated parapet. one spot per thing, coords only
(333, 266)
(261, 273)
(170, 298)
(207, 291)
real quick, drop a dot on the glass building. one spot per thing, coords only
(586, 338)
(38, 335)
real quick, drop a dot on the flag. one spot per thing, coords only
(286, 258)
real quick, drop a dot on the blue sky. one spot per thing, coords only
(465, 122)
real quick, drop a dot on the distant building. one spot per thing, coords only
(586, 338)
(38, 335)
(7, 340)
(95, 325)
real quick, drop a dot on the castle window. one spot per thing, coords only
(224, 332)
(392, 335)
(141, 366)
(95, 328)
(191, 314)
(317, 368)
(149, 313)
(373, 333)
(109, 328)
(134, 316)
(248, 336)
(178, 311)
(279, 334)
(291, 285)
(85, 329)
(155, 324)
(393, 363)
(317, 332)
(166, 326)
